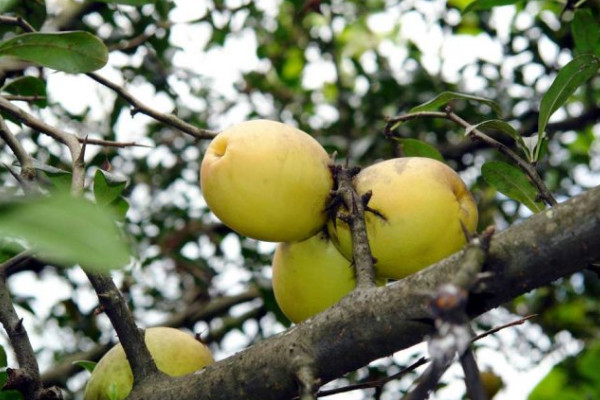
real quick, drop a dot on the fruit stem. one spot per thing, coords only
(361, 251)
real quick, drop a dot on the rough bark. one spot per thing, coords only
(370, 324)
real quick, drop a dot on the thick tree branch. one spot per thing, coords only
(370, 324)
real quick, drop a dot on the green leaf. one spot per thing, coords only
(59, 178)
(574, 378)
(85, 364)
(120, 206)
(512, 182)
(569, 78)
(480, 5)
(73, 52)
(445, 97)
(107, 187)
(3, 359)
(28, 86)
(417, 148)
(66, 230)
(7, 5)
(11, 395)
(586, 32)
(128, 2)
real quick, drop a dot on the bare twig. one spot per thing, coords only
(375, 384)
(110, 143)
(499, 328)
(477, 134)
(16, 21)
(27, 168)
(138, 106)
(28, 99)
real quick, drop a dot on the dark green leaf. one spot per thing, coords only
(11, 395)
(66, 230)
(512, 182)
(107, 187)
(445, 97)
(28, 86)
(73, 52)
(120, 206)
(87, 365)
(128, 2)
(586, 32)
(417, 148)
(3, 359)
(480, 5)
(569, 78)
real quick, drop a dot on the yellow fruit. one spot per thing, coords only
(310, 276)
(267, 180)
(424, 203)
(175, 353)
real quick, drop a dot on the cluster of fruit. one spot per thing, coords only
(272, 182)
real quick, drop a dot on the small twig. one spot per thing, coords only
(375, 384)
(28, 99)
(138, 106)
(132, 43)
(477, 134)
(27, 168)
(110, 143)
(499, 328)
(16, 21)
(355, 218)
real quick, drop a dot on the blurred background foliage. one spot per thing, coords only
(336, 69)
